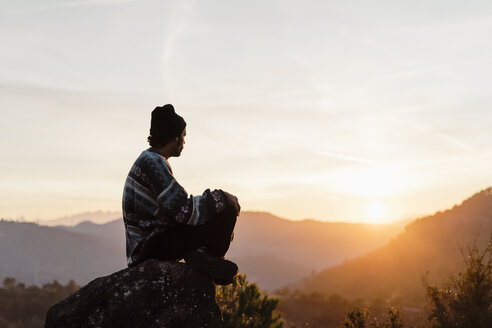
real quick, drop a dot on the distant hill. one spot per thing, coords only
(100, 217)
(272, 251)
(37, 254)
(394, 272)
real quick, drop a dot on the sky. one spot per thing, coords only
(358, 111)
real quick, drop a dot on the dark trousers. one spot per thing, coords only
(216, 235)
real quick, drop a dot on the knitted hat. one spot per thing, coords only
(165, 123)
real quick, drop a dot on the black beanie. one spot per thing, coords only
(165, 123)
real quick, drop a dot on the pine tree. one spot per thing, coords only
(465, 301)
(359, 318)
(244, 306)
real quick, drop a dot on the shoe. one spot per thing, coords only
(220, 269)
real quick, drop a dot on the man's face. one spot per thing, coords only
(180, 143)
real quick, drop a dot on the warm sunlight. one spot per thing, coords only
(375, 181)
(345, 145)
(377, 213)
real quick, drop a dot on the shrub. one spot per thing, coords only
(244, 306)
(465, 301)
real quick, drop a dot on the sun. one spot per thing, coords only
(377, 213)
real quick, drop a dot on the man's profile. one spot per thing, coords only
(162, 221)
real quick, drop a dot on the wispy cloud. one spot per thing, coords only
(449, 139)
(178, 20)
(345, 157)
(455, 141)
(69, 4)
(94, 3)
(419, 71)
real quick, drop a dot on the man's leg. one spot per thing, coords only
(174, 243)
(202, 247)
(218, 232)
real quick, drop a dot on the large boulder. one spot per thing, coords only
(152, 294)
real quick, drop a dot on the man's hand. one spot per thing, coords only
(233, 201)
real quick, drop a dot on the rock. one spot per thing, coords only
(152, 294)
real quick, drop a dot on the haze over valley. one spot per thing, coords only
(272, 251)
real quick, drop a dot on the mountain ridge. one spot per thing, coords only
(430, 244)
(272, 251)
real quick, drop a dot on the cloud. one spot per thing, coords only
(68, 4)
(345, 157)
(91, 3)
(420, 71)
(178, 20)
(455, 141)
(449, 139)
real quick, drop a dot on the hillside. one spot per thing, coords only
(272, 251)
(36, 254)
(99, 217)
(394, 272)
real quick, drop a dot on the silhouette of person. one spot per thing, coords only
(162, 221)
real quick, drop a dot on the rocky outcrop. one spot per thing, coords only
(152, 294)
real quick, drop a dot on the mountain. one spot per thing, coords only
(100, 217)
(431, 244)
(37, 254)
(272, 251)
(111, 233)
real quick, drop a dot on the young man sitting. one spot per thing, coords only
(162, 221)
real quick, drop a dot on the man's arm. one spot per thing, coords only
(173, 199)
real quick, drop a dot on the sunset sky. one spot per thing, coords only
(334, 110)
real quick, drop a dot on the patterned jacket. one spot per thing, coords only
(153, 201)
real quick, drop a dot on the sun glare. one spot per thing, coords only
(376, 181)
(377, 213)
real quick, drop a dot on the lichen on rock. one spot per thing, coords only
(152, 294)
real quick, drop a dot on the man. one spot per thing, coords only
(162, 221)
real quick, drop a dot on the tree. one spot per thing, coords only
(465, 301)
(26, 307)
(9, 283)
(243, 306)
(359, 318)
